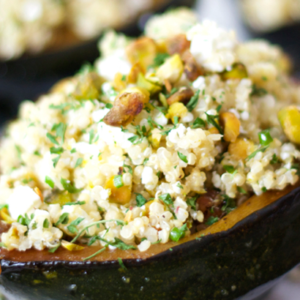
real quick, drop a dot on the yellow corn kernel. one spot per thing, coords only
(231, 126)
(60, 198)
(176, 110)
(70, 246)
(119, 195)
(128, 216)
(155, 142)
(237, 71)
(241, 148)
(5, 216)
(171, 69)
(119, 83)
(146, 212)
(142, 51)
(289, 118)
(148, 85)
(213, 130)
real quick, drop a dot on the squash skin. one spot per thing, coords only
(257, 249)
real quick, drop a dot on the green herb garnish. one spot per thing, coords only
(140, 200)
(211, 220)
(198, 123)
(211, 120)
(49, 181)
(78, 162)
(182, 157)
(118, 181)
(69, 187)
(166, 198)
(265, 138)
(63, 219)
(192, 202)
(72, 227)
(193, 101)
(178, 233)
(46, 223)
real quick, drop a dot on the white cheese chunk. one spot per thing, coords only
(23, 200)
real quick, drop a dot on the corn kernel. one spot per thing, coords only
(231, 126)
(177, 110)
(119, 195)
(289, 118)
(241, 148)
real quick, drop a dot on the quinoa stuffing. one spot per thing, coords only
(161, 137)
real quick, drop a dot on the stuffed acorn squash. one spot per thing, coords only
(167, 170)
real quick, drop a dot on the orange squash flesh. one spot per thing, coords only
(252, 205)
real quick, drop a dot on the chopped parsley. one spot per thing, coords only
(58, 150)
(274, 159)
(229, 204)
(263, 189)
(182, 157)
(63, 219)
(46, 223)
(145, 161)
(257, 91)
(72, 227)
(241, 190)
(52, 250)
(140, 200)
(37, 153)
(108, 105)
(60, 130)
(69, 187)
(229, 169)
(211, 220)
(135, 140)
(219, 108)
(211, 120)
(179, 185)
(52, 138)
(129, 169)
(91, 136)
(55, 160)
(159, 59)
(263, 149)
(118, 181)
(265, 138)
(198, 123)
(25, 220)
(178, 233)
(49, 181)
(192, 202)
(167, 199)
(152, 123)
(78, 162)
(75, 203)
(193, 101)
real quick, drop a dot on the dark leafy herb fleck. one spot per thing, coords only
(193, 101)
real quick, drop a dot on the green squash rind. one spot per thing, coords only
(225, 265)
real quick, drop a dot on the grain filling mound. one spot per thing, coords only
(161, 137)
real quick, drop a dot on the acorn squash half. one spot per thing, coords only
(256, 243)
